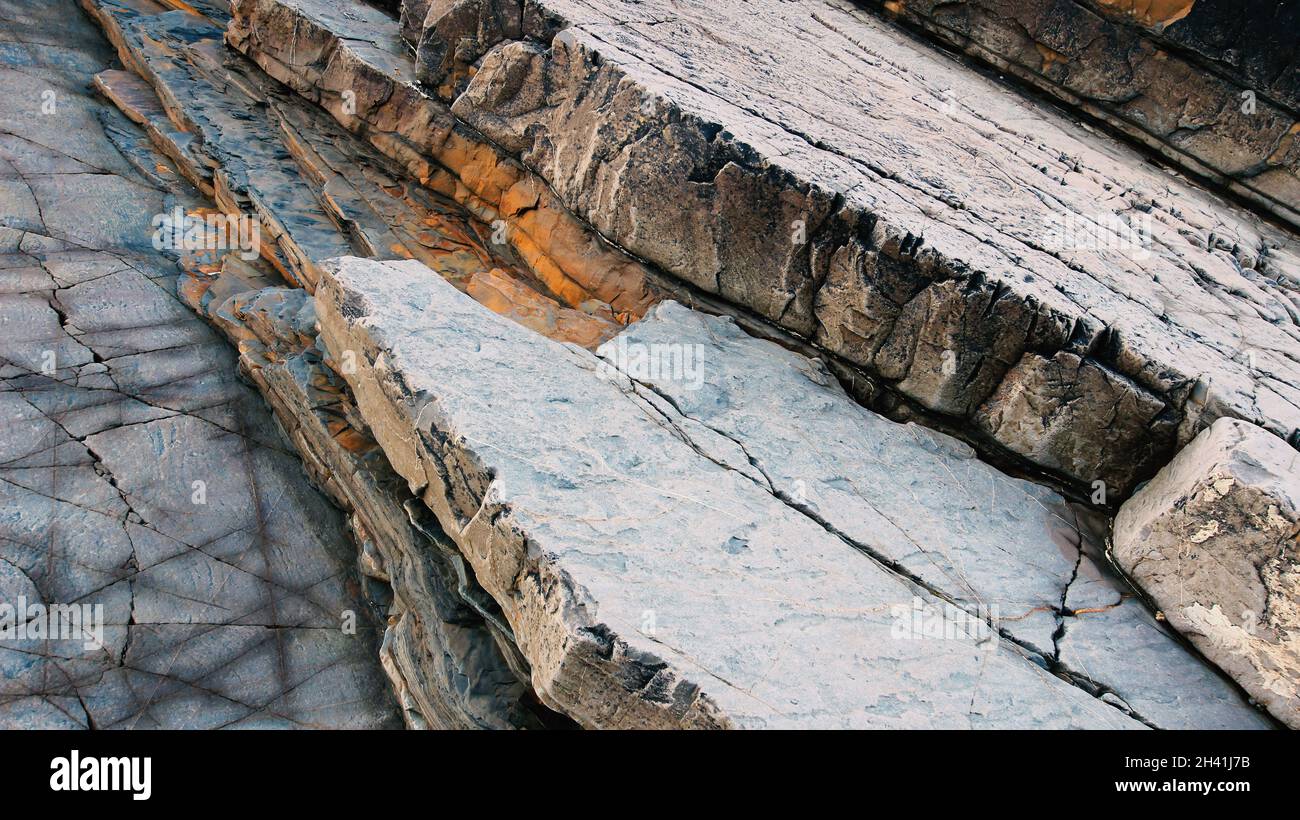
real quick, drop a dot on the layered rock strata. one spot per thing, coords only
(992, 262)
(491, 627)
(741, 578)
(922, 504)
(446, 649)
(317, 192)
(312, 188)
(1213, 539)
(1212, 86)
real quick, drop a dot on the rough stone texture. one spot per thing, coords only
(115, 400)
(446, 649)
(921, 503)
(1211, 85)
(927, 225)
(370, 88)
(729, 596)
(1212, 539)
(413, 13)
(721, 530)
(315, 190)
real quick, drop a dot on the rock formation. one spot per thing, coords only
(659, 366)
(140, 482)
(1213, 539)
(1212, 87)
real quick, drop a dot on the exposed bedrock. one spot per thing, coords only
(270, 157)
(314, 189)
(1213, 538)
(446, 649)
(605, 511)
(141, 485)
(1036, 284)
(1212, 86)
(755, 559)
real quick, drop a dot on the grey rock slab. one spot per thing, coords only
(1001, 548)
(101, 440)
(729, 596)
(1212, 539)
(996, 545)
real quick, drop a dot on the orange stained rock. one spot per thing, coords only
(1050, 57)
(1157, 14)
(354, 441)
(509, 297)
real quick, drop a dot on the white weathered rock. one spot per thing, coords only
(1213, 540)
(647, 584)
(991, 260)
(1001, 548)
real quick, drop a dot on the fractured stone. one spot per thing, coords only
(743, 154)
(136, 474)
(730, 594)
(1212, 539)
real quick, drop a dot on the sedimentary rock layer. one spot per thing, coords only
(1212, 86)
(904, 527)
(314, 190)
(312, 187)
(730, 595)
(1213, 540)
(991, 261)
(920, 502)
(446, 649)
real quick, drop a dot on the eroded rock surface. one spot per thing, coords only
(314, 190)
(986, 257)
(136, 472)
(571, 502)
(729, 596)
(921, 503)
(1213, 87)
(1213, 540)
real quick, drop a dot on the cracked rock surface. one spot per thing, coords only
(731, 593)
(921, 503)
(933, 228)
(1213, 87)
(545, 494)
(136, 472)
(1212, 539)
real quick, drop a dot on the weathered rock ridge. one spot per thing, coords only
(1212, 86)
(585, 317)
(1037, 285)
